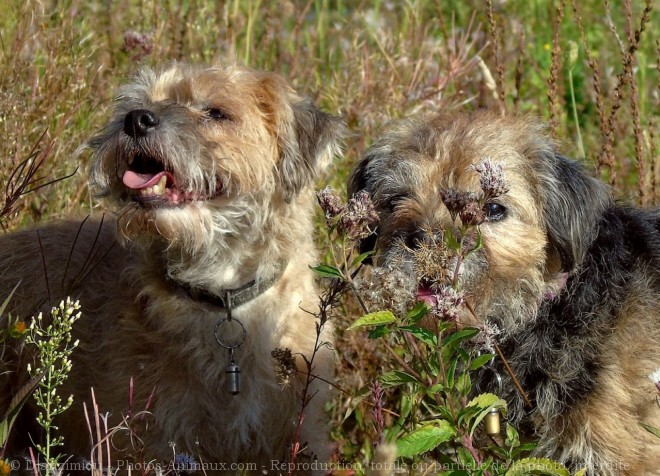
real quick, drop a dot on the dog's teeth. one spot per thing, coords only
(159, 188)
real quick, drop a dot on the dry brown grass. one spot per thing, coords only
(61, 62)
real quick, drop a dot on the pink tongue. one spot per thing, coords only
(139, 181)
(425, 294)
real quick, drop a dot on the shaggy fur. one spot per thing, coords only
(571, 278)
(240, 151)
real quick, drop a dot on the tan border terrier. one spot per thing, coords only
(571, 279)
(203, 273)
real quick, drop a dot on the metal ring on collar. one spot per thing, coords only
(220, 342)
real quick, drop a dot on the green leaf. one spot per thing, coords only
(450, 240)
(359, 259)
(377, 318)
(651, 429)
(5, 303)
(464, 384)
(356, 399)
(425, 438)
(326, 271)
(407, 405)
(465, 458)
(485, 403)
(512, 438)
(425, 335)
(460, 336)
(379, 331)
(480, 361)
(582, 472)
(530, 466)
(17, 402)
(479, 244)
(396, 378)
(417, 312)
(451, 373)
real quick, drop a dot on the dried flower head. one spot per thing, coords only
(487, 337)
(456, 200)
(446, 303)
(359, 218)
(140, 44)
(431, 259)
(285, 365)
(472, 214)
(492, 180)
(330, 203)
(655, 378)
(388, 288)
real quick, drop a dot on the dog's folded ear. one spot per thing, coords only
(573, 203)
(307, 137)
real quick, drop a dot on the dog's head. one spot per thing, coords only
(192, 152)
(533, 234)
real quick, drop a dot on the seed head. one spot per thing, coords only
(388, 288)
(487, 337)
(492, 180)
(359, 218)
(431, 258)
(330, 203)
(472, 214)
(285, 365)
(456, 201)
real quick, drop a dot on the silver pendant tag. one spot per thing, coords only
(232, 371)
(233, 378)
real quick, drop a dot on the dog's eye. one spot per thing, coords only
(494, 211)
(216, 114)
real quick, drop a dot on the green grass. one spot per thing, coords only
(368, 61)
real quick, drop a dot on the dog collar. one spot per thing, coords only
(236, 296)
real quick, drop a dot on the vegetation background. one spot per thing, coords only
(590, 68)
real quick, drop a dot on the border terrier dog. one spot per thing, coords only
(571, 278)
(202, 275)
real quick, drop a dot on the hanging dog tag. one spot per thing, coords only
(232, 371)
(232, 377)
(492, 422)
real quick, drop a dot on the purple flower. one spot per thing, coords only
(492, 180)
(184, 462)
(446, 302)
(377, 394)
(330, 203)
(141, 44)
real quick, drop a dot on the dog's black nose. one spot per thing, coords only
(138, 122)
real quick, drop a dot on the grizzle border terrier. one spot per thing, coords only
(202, 275)
(571, 278)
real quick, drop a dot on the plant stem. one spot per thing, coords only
(513, 376)
(575, 116)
